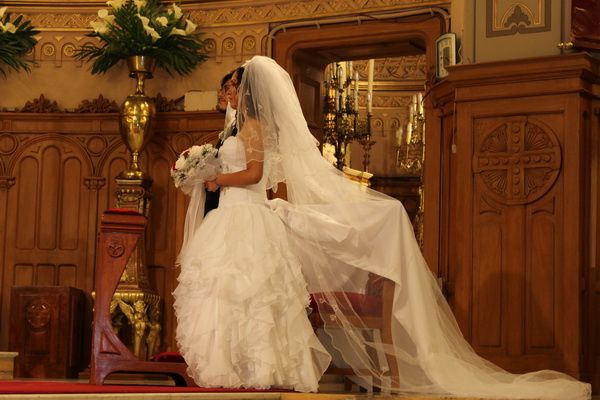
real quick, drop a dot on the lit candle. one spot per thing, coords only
(399, 135)
(349, 70)
(370, 86)
(356, 91)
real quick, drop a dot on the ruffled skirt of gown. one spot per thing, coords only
(241, 305)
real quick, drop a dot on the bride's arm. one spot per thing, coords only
(251, 136)
(250, 176)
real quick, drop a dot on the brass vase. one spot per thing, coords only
(138, 116)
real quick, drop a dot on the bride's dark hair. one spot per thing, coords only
(247, 103)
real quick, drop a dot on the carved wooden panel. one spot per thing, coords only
(57, 177)
(47, 328)
(517, 235)
(520, 172)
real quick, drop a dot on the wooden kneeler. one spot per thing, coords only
(120, 231)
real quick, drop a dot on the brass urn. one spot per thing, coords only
(138, 116)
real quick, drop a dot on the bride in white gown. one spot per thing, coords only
(247, 270)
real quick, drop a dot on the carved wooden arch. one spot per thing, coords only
(292, 47)
(287, 44)
(27, 144)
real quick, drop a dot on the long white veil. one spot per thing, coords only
(344, 232)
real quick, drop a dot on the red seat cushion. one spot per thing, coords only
(362, 304)
(122, 211)
(168, 356)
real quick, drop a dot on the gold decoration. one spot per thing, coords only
(138, 115)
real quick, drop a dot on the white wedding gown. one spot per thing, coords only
(247, 269)
(242, 301)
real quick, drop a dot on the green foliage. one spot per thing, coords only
(144, 27)
(16, 39)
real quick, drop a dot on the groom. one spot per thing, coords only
(230, 129)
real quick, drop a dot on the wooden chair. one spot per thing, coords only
(120, 232)
(370, 310)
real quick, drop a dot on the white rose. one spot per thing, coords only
(102, 13)
(180, 163)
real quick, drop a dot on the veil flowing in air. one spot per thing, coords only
(343, 232)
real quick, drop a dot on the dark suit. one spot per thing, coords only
(212, 198)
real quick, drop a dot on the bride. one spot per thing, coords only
(247, 270)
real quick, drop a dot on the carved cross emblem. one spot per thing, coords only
(518, 161)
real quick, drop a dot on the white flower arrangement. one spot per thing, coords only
(144, 28)
(17, 38)
(195, 165)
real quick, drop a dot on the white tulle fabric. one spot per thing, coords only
(341, 232)
(241, 300)
(247, 270)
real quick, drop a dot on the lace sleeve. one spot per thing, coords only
(251, 136)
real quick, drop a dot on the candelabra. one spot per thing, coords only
(342, 123)
(409, 151)
(410, 155)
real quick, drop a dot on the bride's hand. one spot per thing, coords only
(211, 186)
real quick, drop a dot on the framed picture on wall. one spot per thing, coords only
(445, 48)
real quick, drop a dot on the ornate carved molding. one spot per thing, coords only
(94, 182)
(396, 68)
(215, 13)
(510, 18)
(40, 105)
(518, 161)
(6, 182)
(165, 105)
(98, 105)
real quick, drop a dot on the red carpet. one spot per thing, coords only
(38, 387)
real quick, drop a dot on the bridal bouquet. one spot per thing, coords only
(194, 165)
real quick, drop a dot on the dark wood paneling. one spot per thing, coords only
(57, 177)
(521, 175)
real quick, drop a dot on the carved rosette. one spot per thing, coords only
(518, 161)
(38, 316)
(115, 247)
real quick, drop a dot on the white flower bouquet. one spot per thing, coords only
(143, 28)
(195, 165)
